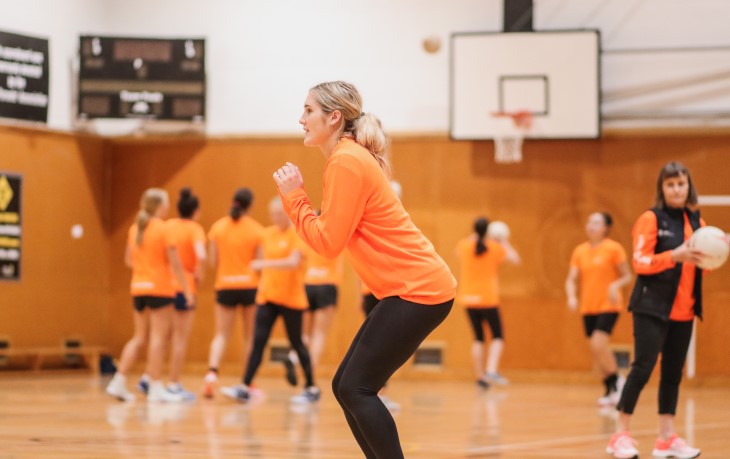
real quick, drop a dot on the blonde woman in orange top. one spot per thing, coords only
(280, 293)
(234, 243)
(152, 255)
(601, 267)
(361, 213)
(479, 292)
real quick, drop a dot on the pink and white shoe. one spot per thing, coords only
(622, 446)
(674, 447)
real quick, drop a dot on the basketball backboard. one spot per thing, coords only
(553, 75)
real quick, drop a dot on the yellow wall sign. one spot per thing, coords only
(10, 226)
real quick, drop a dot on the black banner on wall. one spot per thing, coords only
(10, 225)
(23, 77)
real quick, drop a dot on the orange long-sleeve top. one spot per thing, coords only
(361, 212)
(646, 262)
(187, 233)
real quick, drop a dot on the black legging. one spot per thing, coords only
(265, 318)
(651, 337)
(389, 336)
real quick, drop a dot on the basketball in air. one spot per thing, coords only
(497, 230)
(712, 242)
(432, 44)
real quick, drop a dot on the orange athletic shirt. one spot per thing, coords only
(478, 283)
(598, 268)
(284, 287)
(187, 233)
(151, 272)
(647, 262)
(236, 244)
(361, 212)
(322, 270)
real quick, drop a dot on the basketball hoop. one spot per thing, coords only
(509, 130)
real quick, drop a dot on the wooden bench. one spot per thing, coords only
(38, 355)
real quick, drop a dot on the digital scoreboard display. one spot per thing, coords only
(145, 78)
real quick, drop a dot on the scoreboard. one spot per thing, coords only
(143, 78)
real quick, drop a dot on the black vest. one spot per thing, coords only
(654, 294)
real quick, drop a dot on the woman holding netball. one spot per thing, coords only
(600, 266)
(665, 300)
(479, 291)
(361, 213)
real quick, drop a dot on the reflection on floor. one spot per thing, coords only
(72, 417)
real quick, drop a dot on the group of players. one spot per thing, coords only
(413, 285)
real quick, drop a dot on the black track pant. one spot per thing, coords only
(386, 340)
(265, 318)
(653, 336)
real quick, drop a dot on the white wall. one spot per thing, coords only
(264, 54)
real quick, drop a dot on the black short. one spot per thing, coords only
(321, 296)
(604, 322)
(181, 304)
(152, 302)
(233, 298)
(489, 315)
(369, 302)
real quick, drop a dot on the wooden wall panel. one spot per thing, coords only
(63, 291)
(80, 287)
(446, 184)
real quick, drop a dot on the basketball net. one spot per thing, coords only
(510, 130)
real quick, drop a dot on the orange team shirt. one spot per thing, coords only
(284, 287)
(361, 212)
(598, 268)
(236, 243)
(322, 270)
(187, 233)
(151, 272)
(647, 262)
(479, 284)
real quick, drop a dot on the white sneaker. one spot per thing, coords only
(613, 396)
(158, 393)
(390, 404)
(496, 379)
(622, 446)
(177, 388)
(310, 395)
(674, 447)
(117, 388)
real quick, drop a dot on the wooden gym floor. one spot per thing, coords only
(70, 416)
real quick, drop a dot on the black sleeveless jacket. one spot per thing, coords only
(654, 295)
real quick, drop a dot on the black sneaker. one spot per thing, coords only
(482, 383)
(291, 372)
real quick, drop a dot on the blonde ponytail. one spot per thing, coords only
(365, 128)
(368, 132)
(151, 201)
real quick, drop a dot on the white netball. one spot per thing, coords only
(498, 230)
(713, 243)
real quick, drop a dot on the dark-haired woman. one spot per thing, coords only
(600, 265)
(479, 291)
(190, 242)
(234, 241)
(152, 255)
(666, 298)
